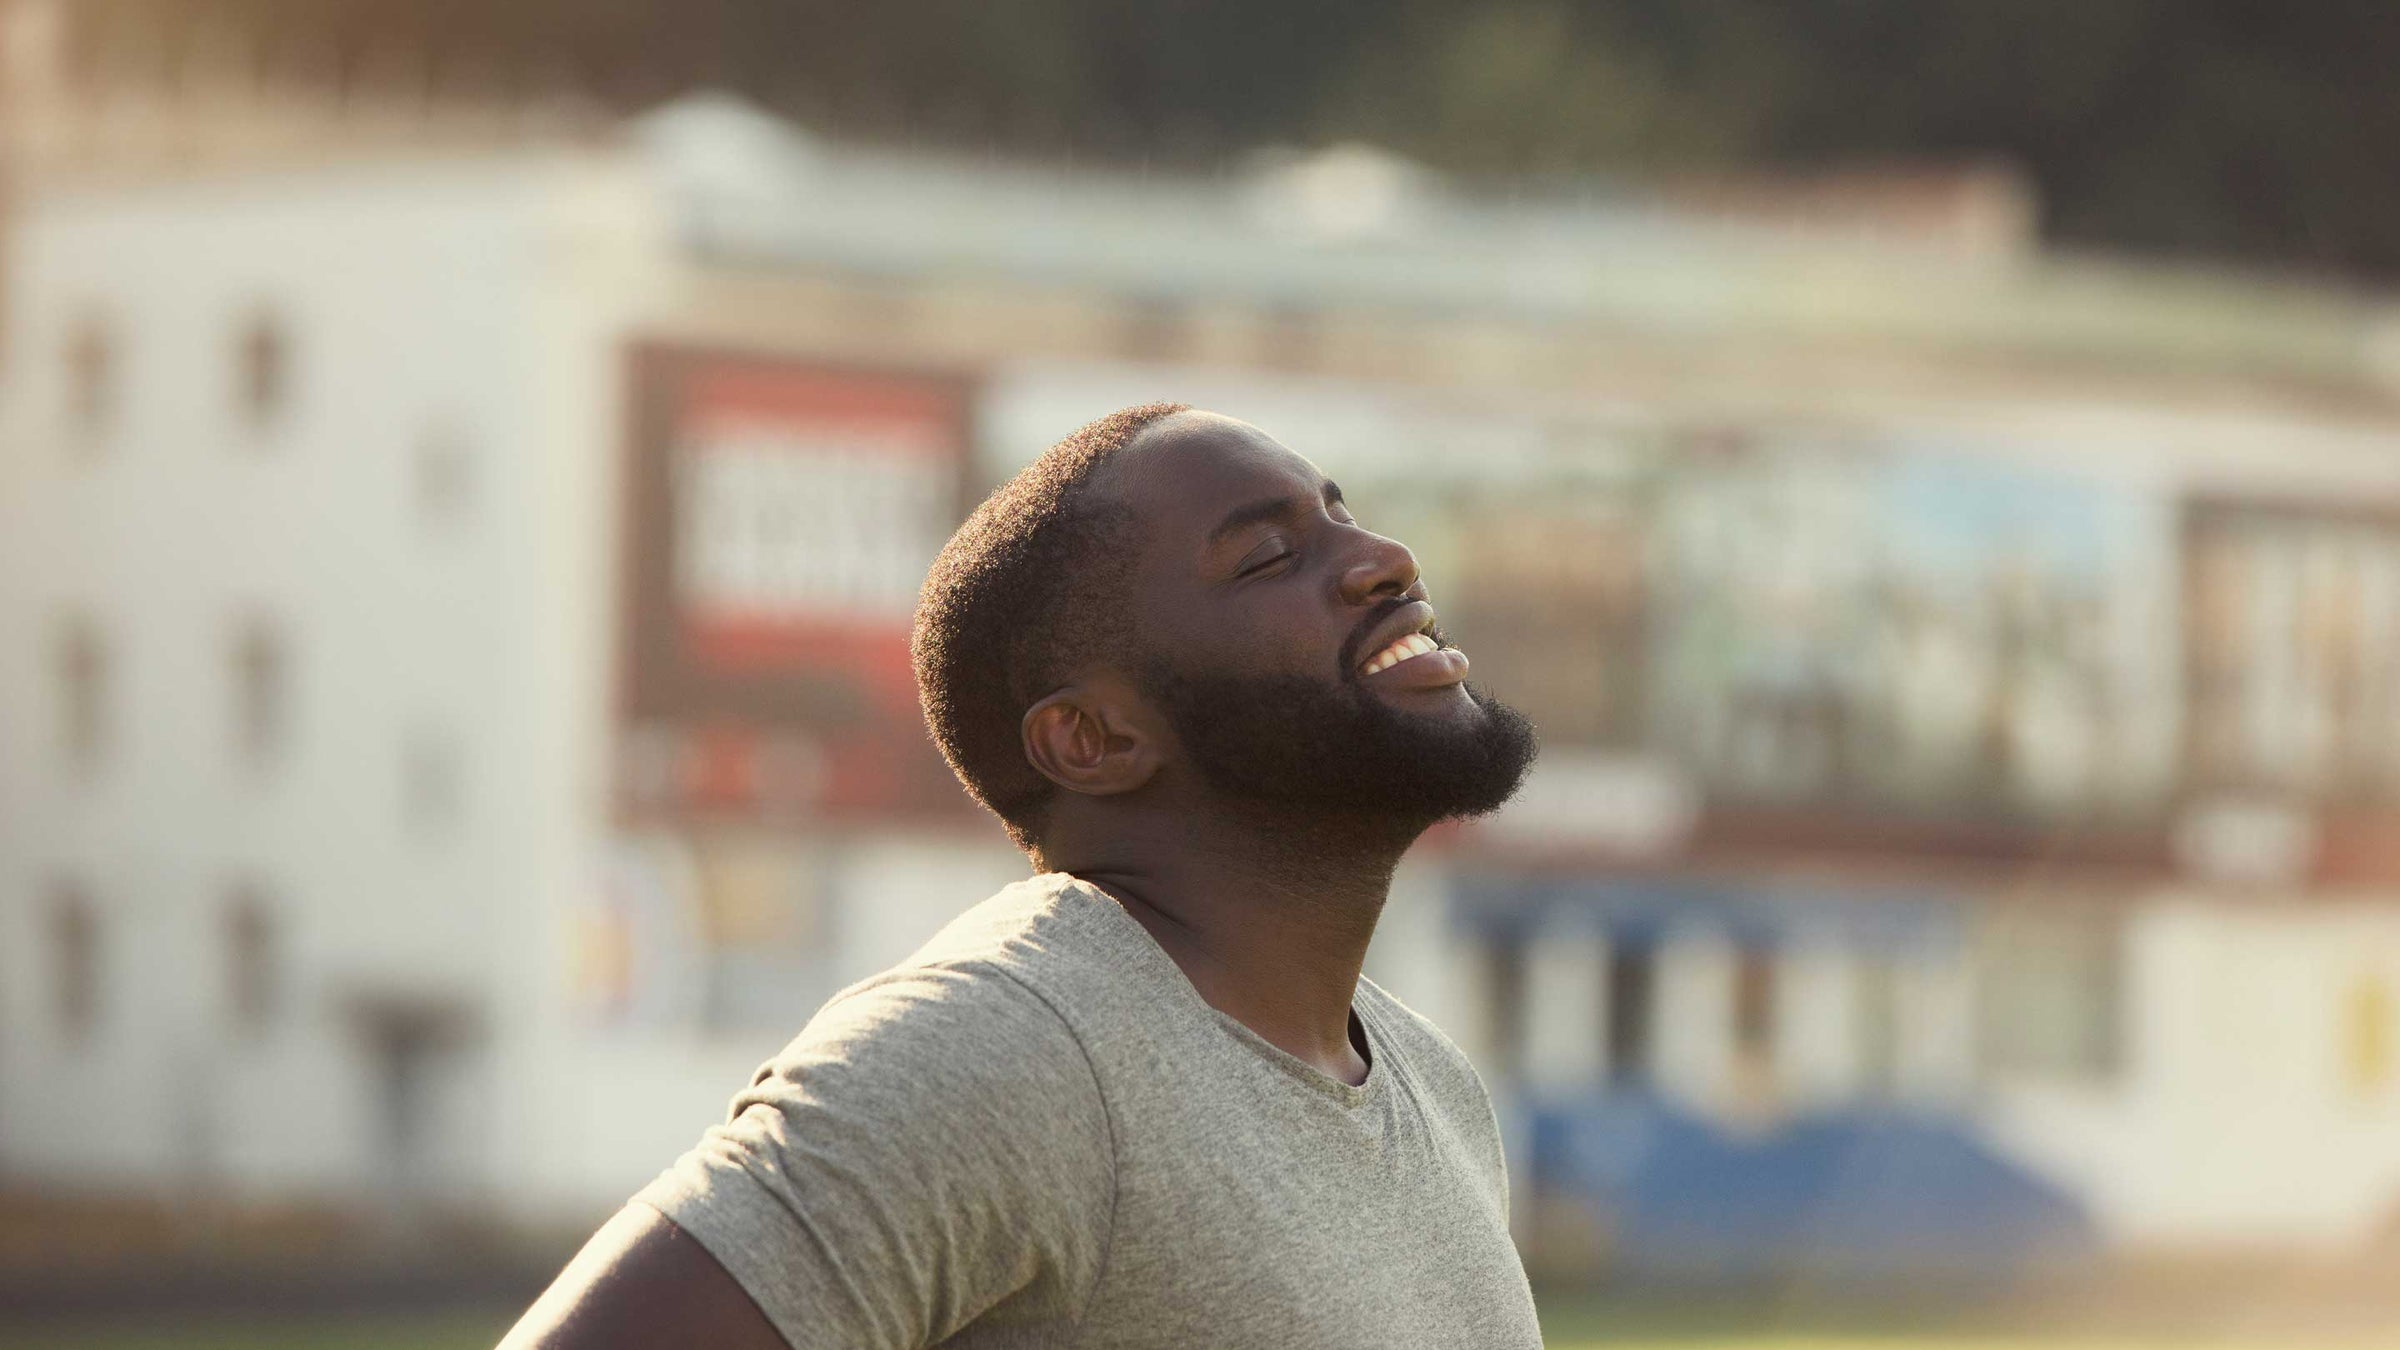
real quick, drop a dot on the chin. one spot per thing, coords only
(1403, 755)
(1461, 702)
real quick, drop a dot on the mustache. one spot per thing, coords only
(1354, 647)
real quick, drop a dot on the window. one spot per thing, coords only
(2367, 1049)
(2048, 995)
(91, 380)
(262, 366)
(82, 669)
(762, 906)
(1878, 1025)
(431, 791)
(250, 962)
(444, 482)
(2292, 652)
(261, 692)
(1504, 994)
(1754, 1005)
(1632, 995)
(74, 940)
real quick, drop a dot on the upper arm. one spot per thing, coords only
(643, 1282)
(931, 1147)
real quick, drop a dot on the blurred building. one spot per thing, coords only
(454, 717)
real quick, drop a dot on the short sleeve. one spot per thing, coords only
(931, 1149)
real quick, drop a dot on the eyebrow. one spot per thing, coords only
(1271, 508)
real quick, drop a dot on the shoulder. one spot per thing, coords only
(946, 1067)
(933, 1141)
(979, 1005)
(1450, 1079)
(1053, 938)
(1031, 928)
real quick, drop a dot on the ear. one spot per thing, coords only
(1092, 737)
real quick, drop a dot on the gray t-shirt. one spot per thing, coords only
(1034, 1132)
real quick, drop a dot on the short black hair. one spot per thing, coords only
(1027, 592)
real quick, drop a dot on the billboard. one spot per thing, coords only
(1905, 620)
(780, 517)
(1853, 617)
(2292, 650)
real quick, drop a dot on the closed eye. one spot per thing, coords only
(1262, 564)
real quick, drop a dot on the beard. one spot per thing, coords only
(1334, 751)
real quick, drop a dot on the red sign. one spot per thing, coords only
(781, 516)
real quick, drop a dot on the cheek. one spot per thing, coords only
(1264, 631)
(1269, 642)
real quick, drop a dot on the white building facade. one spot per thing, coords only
(318, 874)
(305, 559)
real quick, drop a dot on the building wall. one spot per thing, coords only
(429, 528)
(603, 1104)
(2258, 1101)
(404, 538)
(2201, 1072)
(2095, 1047)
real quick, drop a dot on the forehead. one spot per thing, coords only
(1183, 473)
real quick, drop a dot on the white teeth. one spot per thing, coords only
(1415, 644)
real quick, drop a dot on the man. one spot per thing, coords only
(1144, 1099)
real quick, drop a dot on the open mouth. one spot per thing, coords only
(1407, 648)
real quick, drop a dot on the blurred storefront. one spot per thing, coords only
(1882, 901)
(465, 594)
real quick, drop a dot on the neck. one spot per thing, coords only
(1268, 920)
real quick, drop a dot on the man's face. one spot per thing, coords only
(1268, 622)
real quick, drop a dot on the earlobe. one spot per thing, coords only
(1079, 739)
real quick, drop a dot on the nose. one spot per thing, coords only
(1383, 567)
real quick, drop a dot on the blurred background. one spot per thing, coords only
(1931, 469)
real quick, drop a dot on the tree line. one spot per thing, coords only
(2247, 130)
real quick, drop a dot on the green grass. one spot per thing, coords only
(1873, 1341)
(1557, 1338)
(1569, 1330)
(447, 1331)
(1604, 1324)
